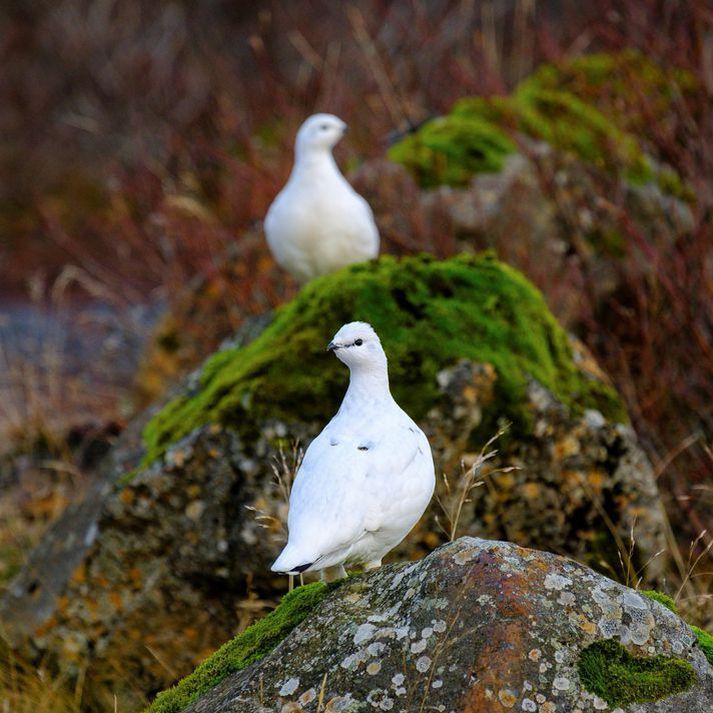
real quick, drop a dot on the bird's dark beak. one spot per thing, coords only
(332, 347)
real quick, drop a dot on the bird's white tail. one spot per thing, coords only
(293, 561)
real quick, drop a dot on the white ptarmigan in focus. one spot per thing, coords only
(366, 479)
(318, 223)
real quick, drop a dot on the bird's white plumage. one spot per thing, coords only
(366, 479)
(318, 223)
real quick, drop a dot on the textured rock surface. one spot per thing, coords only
(163, 561)
(476, 626)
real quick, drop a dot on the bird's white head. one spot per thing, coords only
(320, 132)
(358, 346)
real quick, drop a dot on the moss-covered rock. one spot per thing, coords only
(428, 313)
(632, 89)
(449, 150)
(477, 627)
(246, 648)
(584, 107)
(162, 560)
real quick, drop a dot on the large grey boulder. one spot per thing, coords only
(477, 626)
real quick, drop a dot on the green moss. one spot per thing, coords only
(571, 124)
(609, 671)
(705, 640)
(253, 644)
(428, 313)
(450, 149)
(661, 598)
(631, 89)
(586, 107)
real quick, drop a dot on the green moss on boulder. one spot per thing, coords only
(632, 89)
(253, 644)
(609, 671)
(428, 313)
(663, 599)
(705, 640)
(449, 150)
(584, 107)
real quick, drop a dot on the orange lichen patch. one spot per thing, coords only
(623, 502)
(127, 496)
(100, 581)
(470, 394)
(539, 566)
(572, 478)
(589, 627)
(116, 600)
(190, 633)
(135, 575)
(531, 490)
(566, 447)
(580, 620)
(597, 480)
(506, 481)
(431, 540)
(507, 698)
(62, 605)
(79, 576)
(47, 626)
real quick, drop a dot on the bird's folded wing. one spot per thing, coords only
(342, 491)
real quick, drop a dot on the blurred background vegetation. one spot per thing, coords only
(141, 143)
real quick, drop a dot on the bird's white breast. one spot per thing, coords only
(364, 482)
(319, 224)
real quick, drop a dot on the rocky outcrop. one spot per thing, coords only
(171, 549)
(477, 626)
(548, 213)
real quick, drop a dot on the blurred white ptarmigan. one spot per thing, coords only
(318, 223)
(366, 479)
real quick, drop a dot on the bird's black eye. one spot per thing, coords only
(324, 127)
(358, 342)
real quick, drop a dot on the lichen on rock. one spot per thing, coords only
(429, 314)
